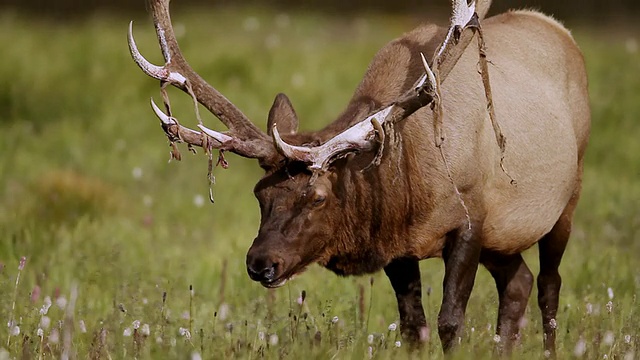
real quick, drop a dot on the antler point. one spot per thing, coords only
(166, 119)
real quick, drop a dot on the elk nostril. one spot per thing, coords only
(269, 273)
(252, 273)
(262, 271)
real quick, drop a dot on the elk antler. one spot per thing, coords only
(359, 137)
(243, 137)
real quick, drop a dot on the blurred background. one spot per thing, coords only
(589, 9)
(87, 195)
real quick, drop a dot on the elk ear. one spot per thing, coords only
(282, 113)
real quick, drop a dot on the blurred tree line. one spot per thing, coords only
(565, 9)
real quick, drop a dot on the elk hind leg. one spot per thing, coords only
(551, 248)
(514, 281)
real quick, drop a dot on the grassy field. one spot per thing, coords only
(114, 236)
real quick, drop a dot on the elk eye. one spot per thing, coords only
(318, 200)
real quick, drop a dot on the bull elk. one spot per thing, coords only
(417, 165)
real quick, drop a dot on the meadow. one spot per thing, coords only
(126, 258)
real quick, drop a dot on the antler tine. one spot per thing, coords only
(423, 93)
(155, 71)
(252, 142)
(178, 133)
(356, 138)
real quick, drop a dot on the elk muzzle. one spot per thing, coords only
(265, 267)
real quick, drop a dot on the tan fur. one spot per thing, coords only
(540, 94)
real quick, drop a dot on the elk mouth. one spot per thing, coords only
(275, 283)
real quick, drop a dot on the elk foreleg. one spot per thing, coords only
(461, 257)
(404, 274)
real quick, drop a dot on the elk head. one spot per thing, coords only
(298, 194)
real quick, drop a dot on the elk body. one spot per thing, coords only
(374, 190)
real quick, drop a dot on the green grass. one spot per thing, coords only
(76, 126)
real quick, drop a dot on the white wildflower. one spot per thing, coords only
(136, 324)
(589, 308)
(547, 354)
(147, 201)
(54, 337)
(370, 339)
(198, 201)
(609, 307)
(283, 21)
(196, 356)
(273, 340)
(610, 293)
(370, 352)
(45, 321)
(40, 332)
(127, 332)
(261, 336)
(297, 80)
(523, 322)
(553, 323)
(581, 348)
(223, 311)
(145, 330)
(393, 327)
(335, 320)
(61, 301)
(82, 326)
(15, 331)
(120, 145)
(47, 304)
(608, 338)
(496, 338)
(159, 340)
(425, 333)
(137, 173)
(184, 332)
(251, 23)
(186, 315)
(272, 41)
(627, 339)
(398, 344)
